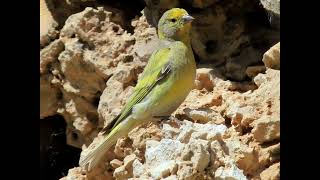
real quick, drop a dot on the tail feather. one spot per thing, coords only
(90, 160)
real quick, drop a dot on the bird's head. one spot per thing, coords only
(175, 24)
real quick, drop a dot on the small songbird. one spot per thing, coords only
(163, 85)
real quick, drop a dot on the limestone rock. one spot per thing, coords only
(252, 71)
(75, 173)
(237, 66)
(204, 115)
(245, 157)
(271, 173)
(116, 163)
(49, 97)
(266, 129)
(230, 171)
(271, 58)
(269, 154)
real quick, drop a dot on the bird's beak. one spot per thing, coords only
(187, 18)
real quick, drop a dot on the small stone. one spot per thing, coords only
(121, 173)
(204, 115)
(201, 156)
(269, 154)
(169, 131)
(204, 79)
(252, 71)
(271, 58)
(266, 129)
(245, 157)
(164, 169)
(229, 172)
(186, 173)
(138, 168)
(83, 125)
(128, 160)
(271, 173)
(116, 163)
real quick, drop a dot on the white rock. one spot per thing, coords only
(138, 168)
(229, 172)
(201, 156)
(166, 150)
(169, 132)
(164, 169)
(188, 128)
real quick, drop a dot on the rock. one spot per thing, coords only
(271, 5)
(164, 170)
(166, 150)
(241, 116)
(269, 155)
(49, 97)
(245, 157)
(116, 163)
(186, 172)
(48, 25)
(204, 115)
(124, 74)
(230, 171)
(78, 173)
(49, 55)
(212, 131)
(79, 76)
(217, 152)
(169, 132)
(138, 168)
(128, 160)
(202, 3)
(123, 147)
(83, 125)
(266, 129)
(204, 79)
(201, 156)
(237, 66)
(252, 71)
(199, 100)
(160, 157)
(146, 38)
(210, 37)
(111, 101)
(273, 9)
(271, 58)
(271, 173)
(80, 117)
(125, 171)
(75, 173)
(143, 133)
(121, 173)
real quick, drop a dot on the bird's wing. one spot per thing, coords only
(157, 68)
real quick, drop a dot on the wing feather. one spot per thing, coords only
(157, 68)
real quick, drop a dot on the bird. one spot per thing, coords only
(163, 85)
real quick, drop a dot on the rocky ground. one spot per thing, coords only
(227, 128)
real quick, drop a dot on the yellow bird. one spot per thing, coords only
(164, 84)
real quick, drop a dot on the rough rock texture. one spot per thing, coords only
(272, 173)
(227, 128)
(271, 58)
(77, 67)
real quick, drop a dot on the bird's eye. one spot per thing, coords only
(173, 20)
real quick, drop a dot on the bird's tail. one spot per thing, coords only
(90, 160)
